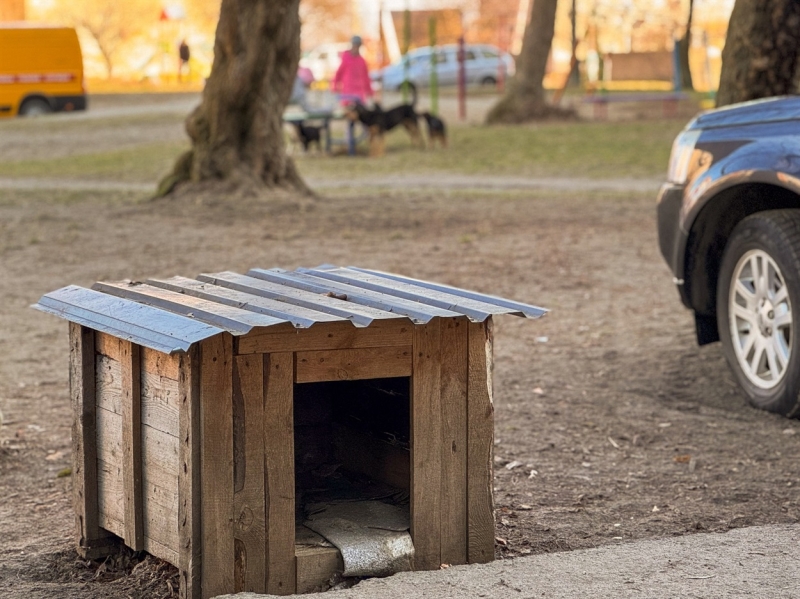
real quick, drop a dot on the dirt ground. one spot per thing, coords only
(611, 424)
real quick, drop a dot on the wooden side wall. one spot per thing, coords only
(194, 454)
(137, 421)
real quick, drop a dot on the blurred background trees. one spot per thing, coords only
(760, 58)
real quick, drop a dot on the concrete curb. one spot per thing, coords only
(761, 562)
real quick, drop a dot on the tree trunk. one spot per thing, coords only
(683, 53)
(760, 58)
(525, 99)
(237, 130)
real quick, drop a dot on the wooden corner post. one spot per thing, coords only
(92, 541)
(426, 446)
(480, 435)
(189, 533)
(279, 471)
(216, 463)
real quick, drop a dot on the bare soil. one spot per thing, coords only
(611, 424)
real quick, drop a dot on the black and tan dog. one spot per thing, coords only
(436, 130)
(378, 121)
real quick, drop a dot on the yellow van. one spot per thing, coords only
(41, 70)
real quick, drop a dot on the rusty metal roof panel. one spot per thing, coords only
(170, 315)
(142, 324)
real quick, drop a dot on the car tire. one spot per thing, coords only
(488, 81)
(758, 294)
(35, 107)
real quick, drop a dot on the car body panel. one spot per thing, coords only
(740, 150)
(40, 62)
(482, 62)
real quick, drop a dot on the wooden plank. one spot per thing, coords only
(189, 507)
(109, 437)
(375, 458)
(107, 345)
(426, 454)
(333, 335)
(454, 440)
(161, 364)
(315, 566)
(161, 551)
(480, 434)
(132, 444)
(353, 364)
(111, 506)
(279, 467)
(249, 498)
(160, 403)
(216, 460)
(108, 383)
(161, 525)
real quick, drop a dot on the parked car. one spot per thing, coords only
(729, 228)
(41, 70)
(483, 64)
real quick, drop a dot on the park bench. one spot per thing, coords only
(669, 101)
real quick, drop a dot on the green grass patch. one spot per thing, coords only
(142, 163)
(598, 150)
(637, 149)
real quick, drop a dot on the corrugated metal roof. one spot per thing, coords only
(169, 315)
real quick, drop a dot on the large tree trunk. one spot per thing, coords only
(760, 58)
(525, 99)
(237, 130)
(683, 52)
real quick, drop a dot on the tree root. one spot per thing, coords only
(518, 107)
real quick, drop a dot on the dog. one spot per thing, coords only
(436, 129)
(308, 135)
(378, 121)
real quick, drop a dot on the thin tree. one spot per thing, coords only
(237, 130)
(760, 58)
(683, 52)
(525, 99)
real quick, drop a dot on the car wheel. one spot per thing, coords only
(35, 107)
(757, 296)
(487, 81)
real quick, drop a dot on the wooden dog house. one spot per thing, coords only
(187, 422)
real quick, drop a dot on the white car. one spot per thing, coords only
(483, 64)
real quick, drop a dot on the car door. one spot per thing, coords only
(447, 67)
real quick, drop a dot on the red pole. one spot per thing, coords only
(501, 67)
(462, 81)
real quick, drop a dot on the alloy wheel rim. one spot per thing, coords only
(760, 315)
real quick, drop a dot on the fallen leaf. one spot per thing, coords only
(512, 465)
(64, 473)
(500, 541)
(54, 456)
(682, 459)
(538, 391)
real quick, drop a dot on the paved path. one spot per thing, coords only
(759, 562)
(432, 181)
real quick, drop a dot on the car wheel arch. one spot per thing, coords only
(711, 229)
(33, 98)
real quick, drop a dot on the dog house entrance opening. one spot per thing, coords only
(352, 442)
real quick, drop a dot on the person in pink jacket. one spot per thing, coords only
(352, 80)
